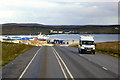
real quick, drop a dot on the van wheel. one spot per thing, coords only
(78, 51)
(93, 53)
(81, 52)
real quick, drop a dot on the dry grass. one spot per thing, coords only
(76, 45)
(111, 48)
(10, 51)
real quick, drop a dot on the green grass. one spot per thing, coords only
(11, 50)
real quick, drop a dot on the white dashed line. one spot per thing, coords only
(81, 54)
(104, 68)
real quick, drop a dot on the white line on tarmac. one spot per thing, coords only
(64, 64)
(60, 64)
(28, 64)
(104, 68)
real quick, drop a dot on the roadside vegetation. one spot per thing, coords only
(110, 48)
(11, 50)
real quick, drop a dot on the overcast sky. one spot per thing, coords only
(59, 12)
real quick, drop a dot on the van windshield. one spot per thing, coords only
(88, 42)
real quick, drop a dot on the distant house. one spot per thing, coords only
(51, 31)
(67, 32)
(55, 31)
(60, 32)
(74, 32)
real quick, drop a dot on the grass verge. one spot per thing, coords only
(12, 50)
(110, 48)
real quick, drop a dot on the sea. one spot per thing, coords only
(97, 37)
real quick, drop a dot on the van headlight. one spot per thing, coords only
(93, 48)
(82, 47)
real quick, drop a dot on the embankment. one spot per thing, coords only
(12, 50)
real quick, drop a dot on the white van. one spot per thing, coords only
(86, 44)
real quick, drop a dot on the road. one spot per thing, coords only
(66, 62)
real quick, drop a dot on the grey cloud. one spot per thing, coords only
(66, 13)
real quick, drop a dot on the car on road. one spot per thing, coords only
(86, 44)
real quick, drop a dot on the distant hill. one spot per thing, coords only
(34, 28)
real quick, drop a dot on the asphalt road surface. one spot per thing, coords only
(66, 62)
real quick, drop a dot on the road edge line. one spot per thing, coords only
(29, 64)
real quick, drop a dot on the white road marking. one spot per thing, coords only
(28, 64)
(64, 64)
(60, 65)
(104, 68)
(81, 54)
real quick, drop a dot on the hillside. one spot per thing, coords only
(32, 28)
